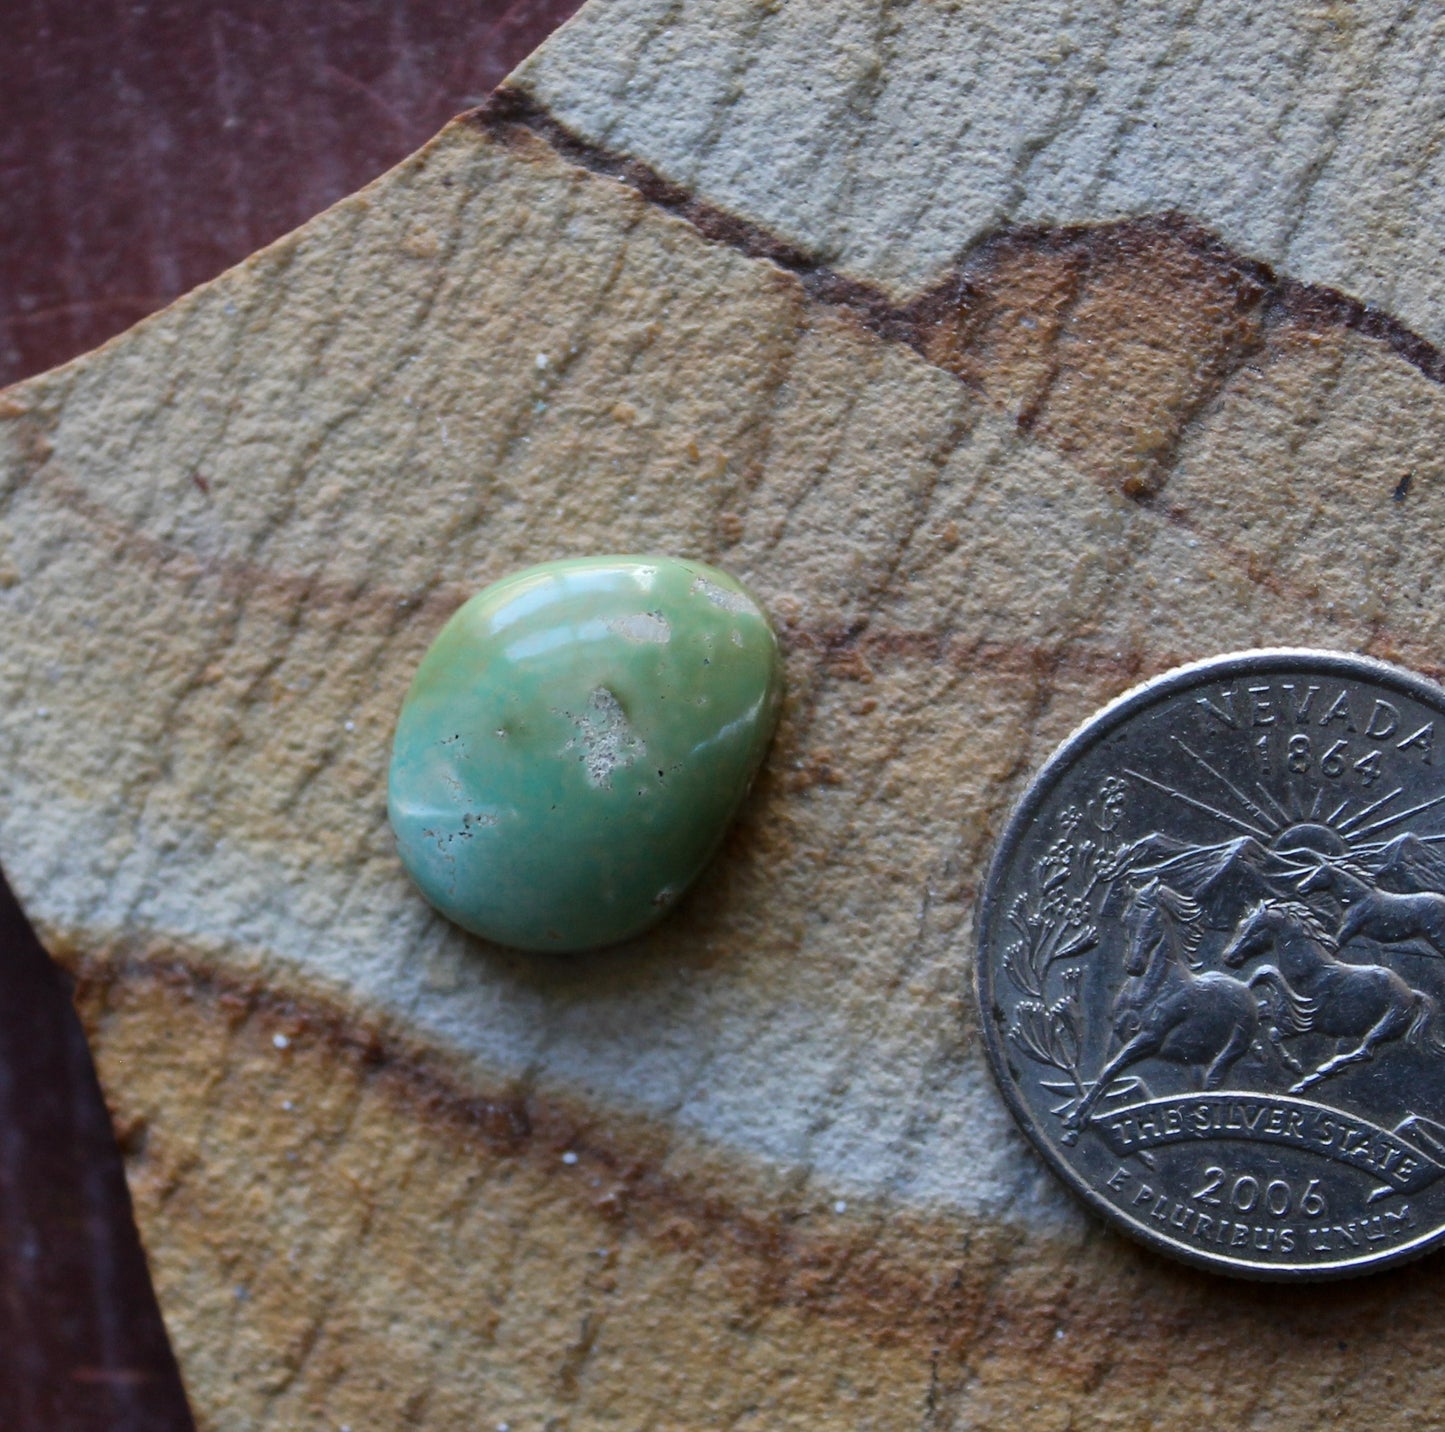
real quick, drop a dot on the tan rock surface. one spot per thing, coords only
(979, 498)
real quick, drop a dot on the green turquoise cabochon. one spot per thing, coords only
(575, 742)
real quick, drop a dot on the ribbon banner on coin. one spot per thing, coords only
(1212, 963)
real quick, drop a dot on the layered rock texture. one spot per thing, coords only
(1009, 355)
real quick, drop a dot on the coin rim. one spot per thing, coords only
(1083, 738)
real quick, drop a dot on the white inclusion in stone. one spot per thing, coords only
(721, 597)
(642, 626)
(605, 739)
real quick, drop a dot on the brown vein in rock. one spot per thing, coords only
(844, 648)
(1036, 317)
(973, 1291)
(1032, 318)
(787, 1255)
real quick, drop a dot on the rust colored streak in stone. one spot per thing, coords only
(843, 650)
(984, 1302)
(848, 654)
(1034, 319)
(778, 1256)
(500, 1121)
(1039, 318)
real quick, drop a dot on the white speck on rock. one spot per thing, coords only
(642, 626)
(542, 361)
(569, 1158)
(841, 1206)
(280, 1041)
(606, 739)
(721, 597)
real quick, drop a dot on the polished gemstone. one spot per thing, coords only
(575, 742)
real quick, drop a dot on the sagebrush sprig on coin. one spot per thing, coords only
(1056, 921)
(1049, 1033)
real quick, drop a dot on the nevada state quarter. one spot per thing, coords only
(1211, 963)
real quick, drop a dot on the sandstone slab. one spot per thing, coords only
(992, 432)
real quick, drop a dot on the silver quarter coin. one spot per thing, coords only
(1211, 963)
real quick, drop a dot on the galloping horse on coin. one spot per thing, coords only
(1363, 1005)
(1203, 1020)
(1380, 915)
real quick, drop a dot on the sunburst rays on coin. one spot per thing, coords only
(1306, 827)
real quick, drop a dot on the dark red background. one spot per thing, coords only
(144, 147)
